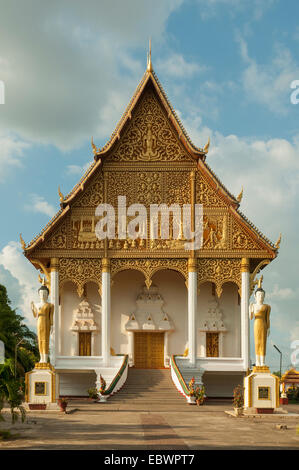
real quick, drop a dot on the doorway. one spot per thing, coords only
(149, 350)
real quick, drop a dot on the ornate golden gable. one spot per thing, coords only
(149, 135)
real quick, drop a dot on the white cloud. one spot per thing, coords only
(25, 289)
(11, 153)
(281, 293)
(175, 65)
(67, 67)
(77, 170)
(269, 84)
(210, 8)
(39, 204)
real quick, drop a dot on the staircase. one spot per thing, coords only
(149, 387)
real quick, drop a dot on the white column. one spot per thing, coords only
(192, 310)
(106, 311)
(245, 295)
(75, 344)
(166, 352)
(55, 302)
(131, 348)
(92, 346)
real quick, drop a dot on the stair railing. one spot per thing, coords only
(178, 379)
(119, 378)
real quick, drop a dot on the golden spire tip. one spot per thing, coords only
(149, 57)
(239, 197)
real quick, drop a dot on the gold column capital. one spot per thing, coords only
(105, 265)
(245, 265)
(54, 264)
(192, 265)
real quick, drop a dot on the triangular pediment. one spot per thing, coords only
(149, 136)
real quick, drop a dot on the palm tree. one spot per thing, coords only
(11, 391)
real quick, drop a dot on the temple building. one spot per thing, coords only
(149, 299)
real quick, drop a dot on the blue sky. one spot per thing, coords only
(70, 69)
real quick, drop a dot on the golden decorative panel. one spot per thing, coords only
(148, 350)
(150, 266)
(205, 194)
(84, 344)
(241, 240)
(212, 344)
(149, 136)
(219, 271)
(216, 232)
(58, 239)
(176, 185)
(93, 193)
(80, 271)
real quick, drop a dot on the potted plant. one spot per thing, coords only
(238, 400)
(103, 396)
(200, 395)
(92, 393)
(63, 402)
(192, 393)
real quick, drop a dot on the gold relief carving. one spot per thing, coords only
(83, 233)
(242, 241)
(215, 232)
(93, 194)
(219, 271)
(177, 187)
(149, 136)
(59, 237)
(149, 189)
(149, 266)
(121, 183)
(80, 271)
(205, 194)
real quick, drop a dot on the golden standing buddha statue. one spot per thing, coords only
(44, 314)
(260, 312)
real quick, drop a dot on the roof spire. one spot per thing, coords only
(149, 57)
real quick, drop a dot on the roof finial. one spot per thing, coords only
(149, 57)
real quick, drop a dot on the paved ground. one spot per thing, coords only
(90, 426)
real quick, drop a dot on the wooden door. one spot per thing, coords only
(85, 344)
(148, 350)
(212, 344)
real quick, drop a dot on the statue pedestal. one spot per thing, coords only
(261, 391)
(40, 386)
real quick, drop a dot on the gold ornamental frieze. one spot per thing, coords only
(93, 193)
(58, 240)
(205, 194)
(150, 266)
(149, 136)
(241, 240)
(219, 271)
(80, 271)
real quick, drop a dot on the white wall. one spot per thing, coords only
(231, 316)
(69, 302)
(76, 384)
(126, 287)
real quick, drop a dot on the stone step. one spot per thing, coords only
(149, 386)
